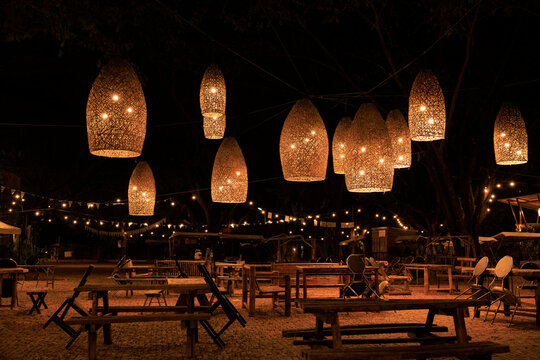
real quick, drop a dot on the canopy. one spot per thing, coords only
(9, 229)
(517, 236)
(531, 201)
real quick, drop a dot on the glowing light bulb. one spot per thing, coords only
(104, 116)
(342, 156)
(64, 205)
(37, 213)
(431, 121)
(134, 188)
(213, 90)
(173, 203)
(312, 132)
(306, 140)
(115, 97)
(506, 145)
(400, 157)
(518, 152)
(341, 145)
(10, 210)
(17, 196)
(144, 193)
(292, 146)
(221, 188)
(512, 183)
(503, 134)
(129, 110)
(193, 197)
(400, 140)
(238, 173)
(381, 160)
(101, 223)
(422, 108)
(228, 181)
(363, 149)
(362, 172)
(251, 203)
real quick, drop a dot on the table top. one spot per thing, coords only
(13, 270)
(226, 264)
(515, 271)
(37, 266)
(428, 266)
(331, 269)
(178, 284)
(320, 305)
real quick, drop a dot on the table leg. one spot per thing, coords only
(244, 288)
(252, 280)
(106, 327)
(336, 331)
(190, 337)
(14, 291)
(459, 325)
(304, 285)
(426, 280)
(429, 319)
(319, 329)
(92, 340)
(450, 280)
(537, 303)
(297, 286)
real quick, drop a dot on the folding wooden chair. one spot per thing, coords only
(221, 300)
(64, 308)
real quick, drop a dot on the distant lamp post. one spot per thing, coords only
(400, 138)
(214, 126)
(229, 175)
(303, 144)
(142, 191)
(510, 136)
(427, 111)
(213, 99)
(369, 167)
(339, 146)
(116, 112)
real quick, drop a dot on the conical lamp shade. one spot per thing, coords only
(303, 145)
(400, 138)
(229, 175)
(427, 112)
(214, 126)
(116, 112)
(510, 137)
(142, 191)
(213, 98)
(338, 144)
(369, 166)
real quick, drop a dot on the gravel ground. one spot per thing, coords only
(22, 336)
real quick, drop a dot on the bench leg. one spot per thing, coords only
(190, 331)
(92, 340)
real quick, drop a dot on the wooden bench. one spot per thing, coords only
(92, 324)
(479, 350)
(138, 309)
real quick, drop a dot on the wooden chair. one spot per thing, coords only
(221, 301)
(259, 290)
(69, 303)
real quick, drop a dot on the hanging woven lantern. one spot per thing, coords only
(369, 166)
(400, 138)
(116, 112)
(338, 144)
(303, 144)
(142, 191)
(229, 175)
(427, 112)
(213, 98)
(510, 137)
(214, 126)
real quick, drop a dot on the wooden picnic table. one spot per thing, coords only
(532, 273)
(187, 288)
(11, 273)
(338, 270)
(327, 311)
(426, 268)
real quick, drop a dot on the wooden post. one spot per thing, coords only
(278, 257)
(92, 339)
(313, 249)
(106, 327)
(297, 285)
(459, 324)
(287, 295)
(252, 280)
(244, 287)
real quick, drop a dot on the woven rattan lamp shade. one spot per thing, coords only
(510, 137)
(369, 166)
(229, 175)
(116, 112)
(213, 98)
(142, 191)
(427, 112)
(400, 138)
(303, 144)
(214, 126)
(338, 144)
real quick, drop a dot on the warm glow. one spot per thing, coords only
(115, 97)
(422, 108)
(129, 110)
(213, 90)
(431, 121)
(104, 116)
(363, 149)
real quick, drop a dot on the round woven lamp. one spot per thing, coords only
(214, 126)
(213, 98)
(400, 138)
(116, 112)
(510, 137)
(142, 191)
(427, 112)
(303, 144)
(338, 144)
(229, 175)
(369, 167)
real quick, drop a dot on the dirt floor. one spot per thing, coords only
(22, 335)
